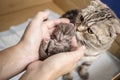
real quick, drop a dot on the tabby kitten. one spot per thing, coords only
(96, 28)
(60, 41)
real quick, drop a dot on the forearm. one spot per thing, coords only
(37, 71)
(34, 75)
(51, 68)
(12, 61)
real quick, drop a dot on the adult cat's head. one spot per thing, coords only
(97, 26)
(99, 35)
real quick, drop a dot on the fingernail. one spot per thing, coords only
(83, 47)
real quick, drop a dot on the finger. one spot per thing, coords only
(34, 27)
(51, 31)
(74, 42)
(54, 22)
(33, 65)
(77, 54)
(68, 60)
(33, 33)
(40, 17)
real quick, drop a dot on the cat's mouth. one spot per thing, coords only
(82, 42)
(88, 45)
(85, 43)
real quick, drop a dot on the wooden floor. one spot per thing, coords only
(17, 17)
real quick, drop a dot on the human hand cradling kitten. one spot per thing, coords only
(39, 30)
(56, 65)
(26, 53)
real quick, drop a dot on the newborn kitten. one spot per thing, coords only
(60, 41)
(96, 28)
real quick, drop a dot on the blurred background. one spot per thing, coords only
(14, 12)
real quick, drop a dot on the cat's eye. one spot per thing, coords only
(90, 31)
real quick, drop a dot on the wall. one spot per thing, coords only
(9, 6)
(14, 12)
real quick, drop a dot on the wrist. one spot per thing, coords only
(37, 72)
(27, 52)
(47, 72)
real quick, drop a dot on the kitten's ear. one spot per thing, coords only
(117, 26)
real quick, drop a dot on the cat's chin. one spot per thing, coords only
(81, 41)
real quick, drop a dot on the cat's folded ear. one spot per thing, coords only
(96, 0)
(117, 26)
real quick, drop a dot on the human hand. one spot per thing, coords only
(26, 51)
(54, 66)
(36, 31)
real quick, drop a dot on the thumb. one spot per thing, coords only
(77, 54)
(68, 60)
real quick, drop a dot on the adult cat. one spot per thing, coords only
(96, 28)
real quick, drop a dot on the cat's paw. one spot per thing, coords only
(67, 77)
(85, 76)
(83, 71)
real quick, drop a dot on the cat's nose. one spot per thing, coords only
(81, 28)
(77, 29)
